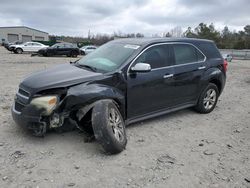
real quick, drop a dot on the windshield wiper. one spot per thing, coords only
(74, 62)
(88, 67)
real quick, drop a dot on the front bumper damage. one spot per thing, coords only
(33, 117)
(30, 118)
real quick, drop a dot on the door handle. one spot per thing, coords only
(201, 68)
(168, 76)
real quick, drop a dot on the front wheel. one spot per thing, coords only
(208, 99)
(19, 50)
(108, 126)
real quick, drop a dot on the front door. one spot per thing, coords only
(149, 92)
(27, 47)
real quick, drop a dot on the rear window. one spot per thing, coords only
(209, 49)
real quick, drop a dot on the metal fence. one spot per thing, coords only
(237, 54)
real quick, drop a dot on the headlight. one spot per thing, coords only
(48, 103)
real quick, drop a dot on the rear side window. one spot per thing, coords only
(209, 49)
(185, 53)
(157, 56)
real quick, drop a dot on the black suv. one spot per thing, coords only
(122, 82)
(67, 49)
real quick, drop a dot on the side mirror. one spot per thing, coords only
(141, 67)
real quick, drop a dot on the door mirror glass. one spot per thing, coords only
(141, 67)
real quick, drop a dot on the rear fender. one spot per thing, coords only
(213, 74)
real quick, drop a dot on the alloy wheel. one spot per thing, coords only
(116, 124)
(210, 99)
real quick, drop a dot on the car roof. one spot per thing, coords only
(147, 41)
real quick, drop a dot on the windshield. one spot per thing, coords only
(108, 57)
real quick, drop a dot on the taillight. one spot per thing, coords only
(225, 64)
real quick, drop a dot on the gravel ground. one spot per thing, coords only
(181, 149)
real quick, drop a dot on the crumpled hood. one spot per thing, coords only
(56, 77)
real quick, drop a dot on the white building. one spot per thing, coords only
(22, 33)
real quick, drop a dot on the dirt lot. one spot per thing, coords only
(182, 149)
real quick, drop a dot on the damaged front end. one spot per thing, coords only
(62, 109)
(39, 112)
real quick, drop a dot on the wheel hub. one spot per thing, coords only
(116, 124)
(210, 99)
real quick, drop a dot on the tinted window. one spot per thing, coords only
(68, 46)
(157, 56)
(209, 49)
(185, 53)
(57, 46)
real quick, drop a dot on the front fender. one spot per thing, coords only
(85, 94)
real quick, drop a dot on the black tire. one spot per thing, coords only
(74, 54)
(48, 54)
(112, 136)
(19, 51)
(207, 102)
(83, 53)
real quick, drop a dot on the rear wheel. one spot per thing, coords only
(19, 51)
(49, 54)
(109, 127)
(208, 99)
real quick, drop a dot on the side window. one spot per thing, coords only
(185, 53)
(36, 44)
(157, 56)
(68, 46)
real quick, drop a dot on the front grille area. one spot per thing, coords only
(22, 96)
(22, 99)
(19, 107)
(23, 92)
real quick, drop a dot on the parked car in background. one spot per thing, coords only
(67, 49)
(10, 45)
(227, 57)
(27, 47)
(87, 49)
(122, 82)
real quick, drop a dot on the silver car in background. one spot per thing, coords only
(87, 49)
(227, 57)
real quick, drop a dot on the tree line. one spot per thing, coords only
(224, 39)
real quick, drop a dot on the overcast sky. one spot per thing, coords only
(76, 17)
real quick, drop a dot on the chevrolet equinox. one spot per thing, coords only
(122, 82)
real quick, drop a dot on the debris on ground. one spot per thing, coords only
(17, 154)
(71, 184)
(5, 178)
(247, 180)
(207, 152)
(166, 159)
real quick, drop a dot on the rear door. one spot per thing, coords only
(188, 70)
(66, 50)
(36, 46)
(149, 92)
